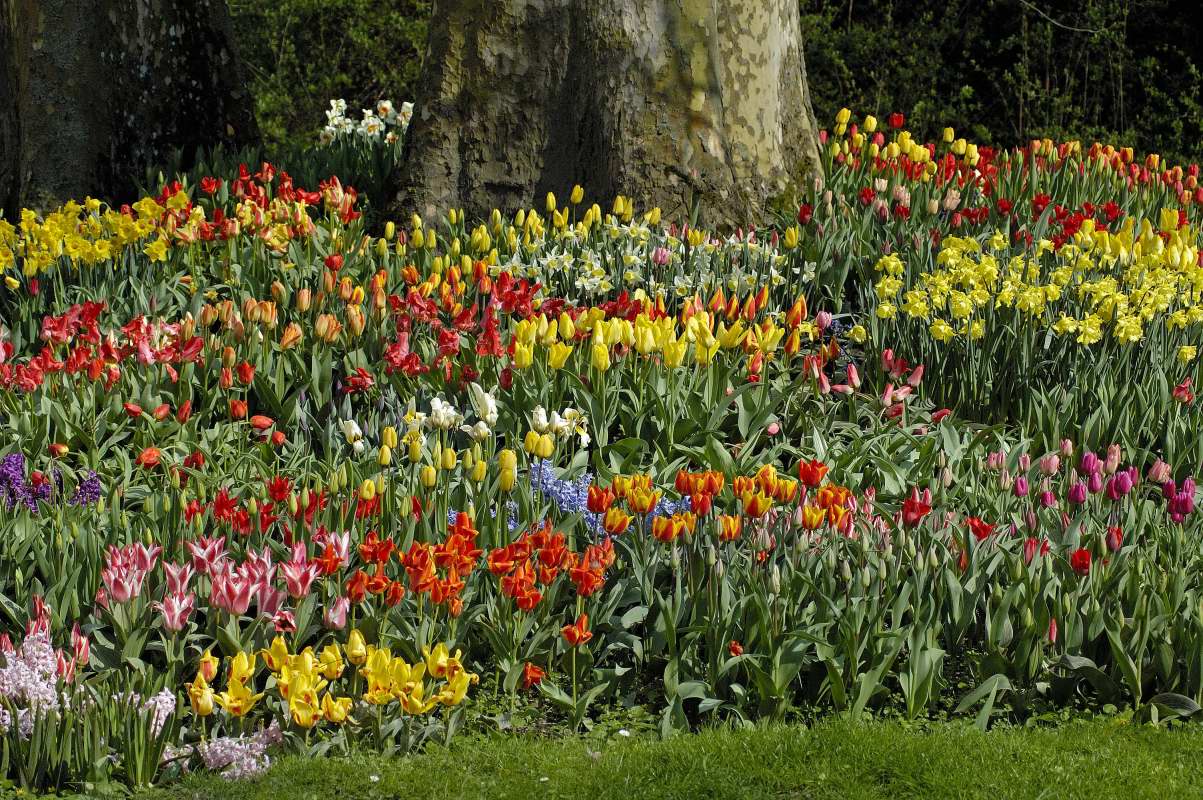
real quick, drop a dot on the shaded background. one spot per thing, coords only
(1125, 72)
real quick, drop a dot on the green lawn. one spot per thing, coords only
(833, 760)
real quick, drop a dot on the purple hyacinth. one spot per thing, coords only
(87, 492)
(14, 488)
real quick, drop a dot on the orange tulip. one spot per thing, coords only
(616, 521)
(756, 504)
(729, 527)
(812, 472)
(578, 633)
(261, 423)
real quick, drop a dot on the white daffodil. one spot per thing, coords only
(351, 430)
(443, 415)
(479, 432)
(483, 403)
(577, 423)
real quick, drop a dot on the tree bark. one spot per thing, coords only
(92, 93)
(691, 105)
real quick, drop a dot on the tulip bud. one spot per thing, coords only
(429, 476)
(386, 456)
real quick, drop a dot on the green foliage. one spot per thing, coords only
(303, 53)
(1106, 758)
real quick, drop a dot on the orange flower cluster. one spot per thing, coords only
(457, 555)
(830, 506)
(701, 488)
(758, 492)
(539, 556)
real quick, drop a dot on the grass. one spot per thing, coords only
(1098, 759)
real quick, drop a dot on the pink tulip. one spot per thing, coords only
(269, 600)
(178, 577)
(773, 429)
(80, 646)
(853, 376)
(1114, 454)
(1089, 464)
(1067, 448)
(64, 667)
(176, 609)
(1095, 482)
(299, 575)
(1077, 493)
(232, 594)
(1049, 464)
(206, 552)
(1020, 489)
(823, 320)
(1048, 499)
(1052, 630)
(284, 621)
(916, 377)
(1159, 473)
(122, 584)
(335, 617)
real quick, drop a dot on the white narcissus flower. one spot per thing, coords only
(351, 431)
(443, 415)
(483, 403)
(479, 432)
(414, 420)
(577, 423)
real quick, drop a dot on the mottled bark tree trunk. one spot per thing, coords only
(92, 92)
(685, 104)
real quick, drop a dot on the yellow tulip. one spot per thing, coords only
(357, 652)
(524, 355)
(242, 667)
(335, 709)
(558, 354)
(277, 655)
(331, 662)
(200, 696)
(601, 357)
(208, 665)
(237, 700)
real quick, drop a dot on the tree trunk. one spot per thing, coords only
(691, 105)
(93, 92)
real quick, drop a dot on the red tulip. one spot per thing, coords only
(1079, 561)
(149, 458)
